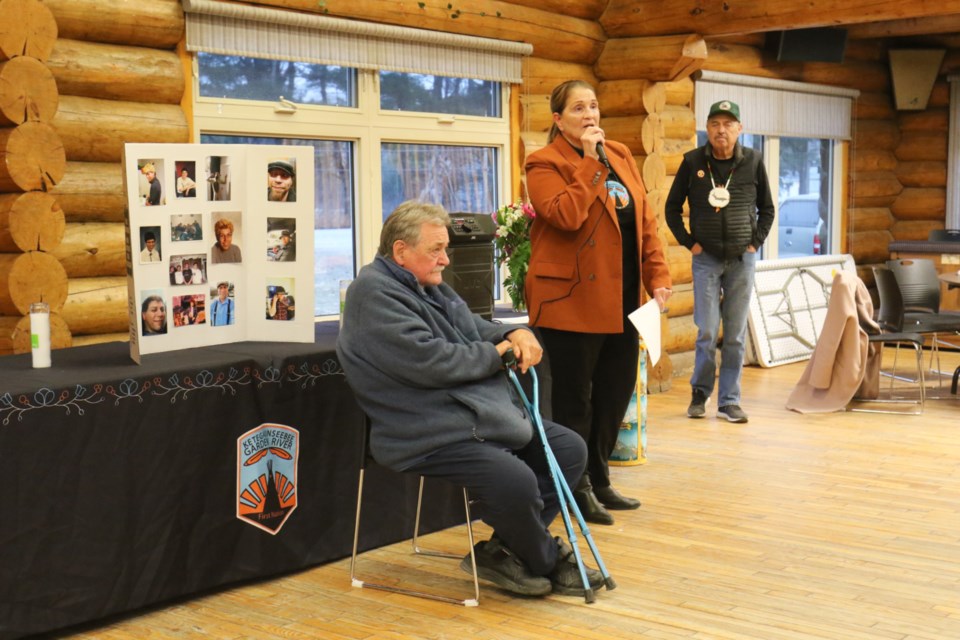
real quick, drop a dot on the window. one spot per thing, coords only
(373, 149)
(462, 179)
(438, 94)
(246, 78)
(801, 129)
(393, 113)
(805, 197)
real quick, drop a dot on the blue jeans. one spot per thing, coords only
(731, 280)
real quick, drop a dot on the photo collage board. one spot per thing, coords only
(219, 244)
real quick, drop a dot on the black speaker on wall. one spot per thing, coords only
(821, 44)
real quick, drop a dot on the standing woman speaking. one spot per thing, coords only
(594, 244)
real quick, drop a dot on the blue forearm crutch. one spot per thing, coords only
(564, 494)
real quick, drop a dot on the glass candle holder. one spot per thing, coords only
(40, 334)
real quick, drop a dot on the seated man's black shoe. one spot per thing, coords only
(566, 578)
(611, 499)
(590, 507)
(500, 566)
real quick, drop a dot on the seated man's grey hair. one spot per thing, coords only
(405, 222)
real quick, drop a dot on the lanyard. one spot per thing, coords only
(729, 176)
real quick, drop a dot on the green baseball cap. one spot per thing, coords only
(731, 109)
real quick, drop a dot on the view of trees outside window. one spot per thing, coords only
(462, 179)
(243, 78)
(439, 94)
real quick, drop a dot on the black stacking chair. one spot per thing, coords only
(919, 285)
(366, 459)
(890, 320)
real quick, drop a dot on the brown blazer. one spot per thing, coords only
(574, 280)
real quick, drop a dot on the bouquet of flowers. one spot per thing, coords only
(513, 247)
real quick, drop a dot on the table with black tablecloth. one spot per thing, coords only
(120, 482)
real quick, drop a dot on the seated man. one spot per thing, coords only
(428, 373)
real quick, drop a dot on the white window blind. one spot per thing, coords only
(780, 108)
(227, 28)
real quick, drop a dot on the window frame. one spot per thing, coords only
(367, 127)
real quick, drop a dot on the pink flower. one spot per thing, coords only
(528, 210)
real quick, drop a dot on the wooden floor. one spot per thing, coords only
(830, 526)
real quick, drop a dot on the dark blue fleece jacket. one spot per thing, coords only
(424, 367)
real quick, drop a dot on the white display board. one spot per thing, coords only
(788, 306)
(212, 257)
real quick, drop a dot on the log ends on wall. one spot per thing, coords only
(28, 278)
(28, 29)
(658, 58)
(32, 157)
(28, 92)
(31, 221)
(15, 334)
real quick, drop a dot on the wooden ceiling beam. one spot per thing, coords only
(905, 27)
(625, 18)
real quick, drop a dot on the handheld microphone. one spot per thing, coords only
(602, 155)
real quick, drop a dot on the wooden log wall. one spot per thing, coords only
(32, 162)
(112, 82)
(120, 81)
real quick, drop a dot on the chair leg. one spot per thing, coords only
(920, 381)
(356, 535)
(417, 549)
(357, 582)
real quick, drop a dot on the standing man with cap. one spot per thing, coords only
(731, 212)
(281, 177)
